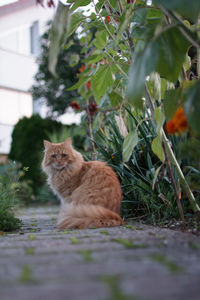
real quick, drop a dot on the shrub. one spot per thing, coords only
(27, 146)
(8, 176)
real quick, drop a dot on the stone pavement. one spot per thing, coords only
(123, 263)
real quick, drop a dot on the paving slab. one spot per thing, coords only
(135, 261)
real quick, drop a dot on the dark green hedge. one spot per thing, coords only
(27, 146)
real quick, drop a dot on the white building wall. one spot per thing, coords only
(17, 64)
(16, 70)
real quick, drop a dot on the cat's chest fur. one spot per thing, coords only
(63, 184)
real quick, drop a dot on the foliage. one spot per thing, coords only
(54, 92)
(147, 55)
(27, 146)
(146, 194)
(45, 196)
(8, 176)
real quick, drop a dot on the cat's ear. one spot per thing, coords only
(47, 144)
(68, 142)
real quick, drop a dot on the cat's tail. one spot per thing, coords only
(87, 216)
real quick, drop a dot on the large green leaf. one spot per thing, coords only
(165, 54)
(172, 48)
(142, 65)
(101, 81)
(130, 141)
(192, 107)
(58, 34)
(187, 8)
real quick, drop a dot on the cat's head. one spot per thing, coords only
(60, 156)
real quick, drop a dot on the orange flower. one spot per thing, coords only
(171, 127)
(89, 85)
(82, 68)
(180, 120)
(178, 123)
(108, 19)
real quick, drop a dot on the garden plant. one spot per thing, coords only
(139, 87)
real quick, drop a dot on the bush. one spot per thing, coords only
(8, 176)
(27, 146)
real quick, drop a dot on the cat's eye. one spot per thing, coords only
(53, 155)
(64, 155)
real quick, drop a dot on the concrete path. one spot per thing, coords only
(132, 262)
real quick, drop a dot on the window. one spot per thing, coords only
(34, 36)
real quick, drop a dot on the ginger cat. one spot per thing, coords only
(90, 192)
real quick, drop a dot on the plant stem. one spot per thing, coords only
(195, 207)
(173, 183)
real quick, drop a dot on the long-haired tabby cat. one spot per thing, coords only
(90, 192)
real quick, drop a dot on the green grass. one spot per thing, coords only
(26, 275)
(74, 240)
(171, 266)
(86, 254)
(129, 244)
(113, 282)
(132, 227)
(104, 232)
(32, 237)
(30, 251)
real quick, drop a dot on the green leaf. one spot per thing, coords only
(80, 3)
(192, 107)
(187, 62)
(154, 86)
(81, 82)
(124, 22)
(155, 176)
(142, 65)
(165, 54)
(93, 58)
(58, 35)
(101, 81)
(172, 48)
(157, 148)
(76, 20)
(101, 39)
(154, 14)
(186, 8)
(166, 85)
(115, 98)
(130, 141)
(159, 118)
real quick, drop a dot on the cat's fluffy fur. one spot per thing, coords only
(90, 192)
